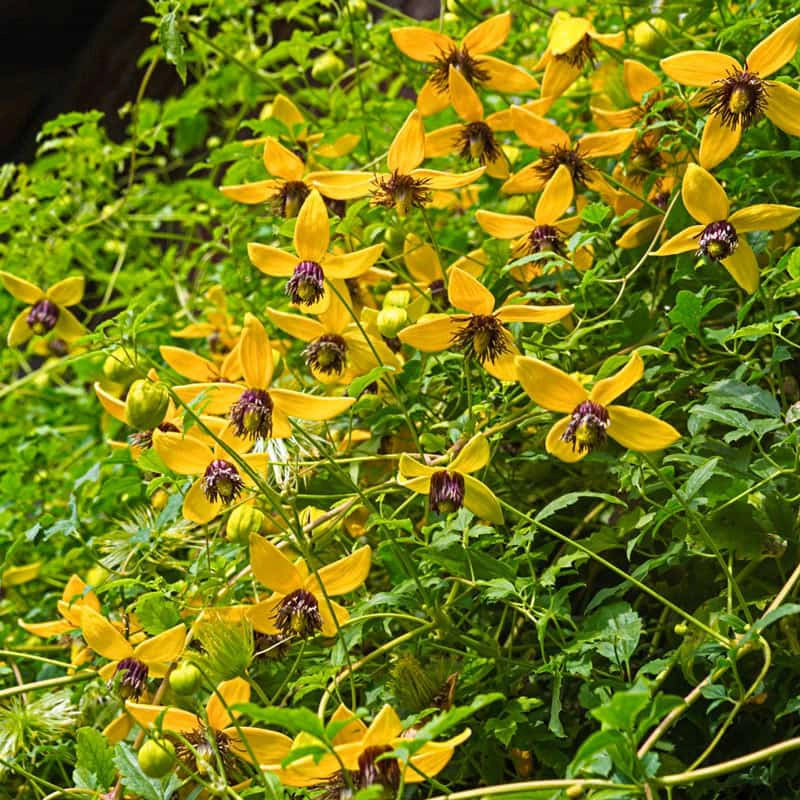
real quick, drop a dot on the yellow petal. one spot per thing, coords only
(616, 119)
(431, 336)
(255, 352)
(311, 407)
(271, 567)
(717, 142)
(352, 265)
(639, 431)
(55, 628)
(615, 40)
(421, 260)
(559, 75)
(527, 181)
(431, 758)
(217, 397)
(444, 141)
(118, 729)
(340, 147)
(281, 162)
(537, 131)
(346, 574)
(350, 733)
(505, 226)
(271, 261)
(67, 292)
(642, 233)
(186, 455)
(268, 747)
(639, 79)
(251, 193)
(164, 648)
(681, 242)
(312, 232)
(284, 110)
(408, 147)
(557, 447)
(763, 217)
(609, 389)
(444, 181)
(229, 693)
(422, 44)
(340, 185)
(103, 637)
(503, 367)
(112, 405)
(411, 468)
(385, 727)
(304, 328)
(498, 167)
(478, 498)
(474, 455)
(21, 289)
(606, 143)
(172, 719)
(487, 36)
(334, 616)
(698, 67)
(556, 197)
(566, 33)
(703, 197)
(431, 100)
(548, 386)
(20, 331)
(505, 77)
(783, 107)
(777, 49)
(743, 266)
(262, 615)
(463, 98)
(420, 485)
(67, 325)
(189, 364)
(468, 294)
(196, 506)
(540, 314)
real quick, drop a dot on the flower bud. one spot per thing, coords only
(327, 68)
(243, 521)
(397, 298)
(185, 679)
(146, 404)
(156, 757)
(391, 320)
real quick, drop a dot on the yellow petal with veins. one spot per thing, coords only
(407, 150)
(703, 197)
(488, 35)
(763, 217)
(272, 261)
(556, 197)
(344, 575)
(540, 314)
(557, 447)
(23, 290)
(548, 386)
(421, 260)
(431, 100)
(67, 326)
(505, 226)
(638, 430)
(312, 232)
(20, 331)
(67, 292)
(777, 49)
(185, 455)
(251, 193)
(112, 405)
(743, 267)
(341, 185)
(308, 406)
(468, 294)
(474, 455)
(383, 729)
(443, 141)
(639, 79)
(480, 500)
(609, 389)
(352, 265)
(430, 336)
(606, 143)
(281, 162)
(172, 719)
(164, 648)
(717, 142)
(504, 77)
(443, 181)
(783, 107)
(681, 242)
(197, 507)
(271, 567)
(255, 353)
(189, 364)
(422, 44)
(537, 131)
(698, 67)
(103, 637)
(228, 693)
(463, 98)
(559, 75)
(566, 33)
(258, 746)
(304, 328)
(411, 468)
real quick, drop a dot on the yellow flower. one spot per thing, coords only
(75, 597)
(468, 57)
(337, 351)
(293, 184)
(17, 576)
(718, 234)
(481, 332)
(47, 310)
(557, 149)
(220, 331)
(313, 264)
(569, 49)
(300, 605)
(216, 729)
(135, 663)
(736, 96)
(449, 488)
(591, 418)
(545, 232)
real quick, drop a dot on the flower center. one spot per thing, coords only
(144, 439)
(298, 614)
(438, 291)
(42, 317)
(579, 53)
(403, 192)
(718, 240)
(385, 772)
(477, 141)
(570, 157)
(307, 284)
(661, 200)
(197, 750)
(483, 336)
(222, 482)
(270, 646)
(738, 99)
(327, 354)
(447, 492)
(469, 67)
(251, 414)
(544, 239)
(290, 197)
(644, 160)
(587, 427)
(133, 678)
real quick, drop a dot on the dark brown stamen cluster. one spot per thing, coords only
(384, 772)
(571, 158)
(298, 614)
(587, 427)
(58, 347)
(476, 141)
(402, 192)
(447, 491)
(474, 74)
(327, 354)
(251, 414)
(579, 54)
(483, 337)
(272, 647)
(199, 748)
(133, 678)
(307, 284)
(222, 482)
(144, 439)
(738, 99)
(661, 200)
(645, 159)
(438, 292)
(42, 317)
(544, 239)
(718, 240)
(290, 197)
(216, 344)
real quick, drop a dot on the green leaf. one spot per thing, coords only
(95, 760)
(156, 613)
(133, 779)
(595, 213)
(568, 499)
(621, 711)
(171, 38)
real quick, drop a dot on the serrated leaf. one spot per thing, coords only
(171, 38)
(95, 760)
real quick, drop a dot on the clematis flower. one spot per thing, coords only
(134, 663)
(200, 738)
(47, 310)
(220, 329)
(591, 419)
(481, 332)
(313, 264)
(736, 96)
(557, 149)
(569, 49)
(469, 59)
(74, 598)
(293, 184)
(542, 233)
(452, 487)
(718, 235)
(300, 605)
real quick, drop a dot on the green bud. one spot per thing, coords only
(119, 367)
(397, 298)
(327, 68)
(391, 320)
(243, 521)
(146, 404)
(185, 679)
(156, 757)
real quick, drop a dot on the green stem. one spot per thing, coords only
(49, 683)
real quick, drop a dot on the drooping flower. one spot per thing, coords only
(301, 604)
(736, 95)
(451, 487)
(220, 330)
(718, 236)
(591, 418)
(557, 149)
(481, 332)
(313, 265)
(469, 59)
(46, 310)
